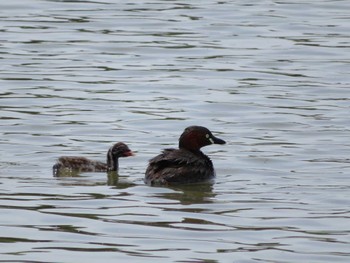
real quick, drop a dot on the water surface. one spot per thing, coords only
(269, 77)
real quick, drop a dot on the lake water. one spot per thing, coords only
(269, 77)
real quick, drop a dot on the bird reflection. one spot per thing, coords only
(191, 193)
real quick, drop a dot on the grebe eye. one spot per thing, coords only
(209, 138)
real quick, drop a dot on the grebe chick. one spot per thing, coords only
(70, 165)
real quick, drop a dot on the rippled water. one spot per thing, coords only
(269, 77)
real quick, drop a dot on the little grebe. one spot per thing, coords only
(186, 164)
(74, 164)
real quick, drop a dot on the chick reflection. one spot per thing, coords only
(114, 180)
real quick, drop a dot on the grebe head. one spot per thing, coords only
(117, 150)
(195, 137)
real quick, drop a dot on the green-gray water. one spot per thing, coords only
(269, 77)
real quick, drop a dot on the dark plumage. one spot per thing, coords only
(186, 164)
(70, 165)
